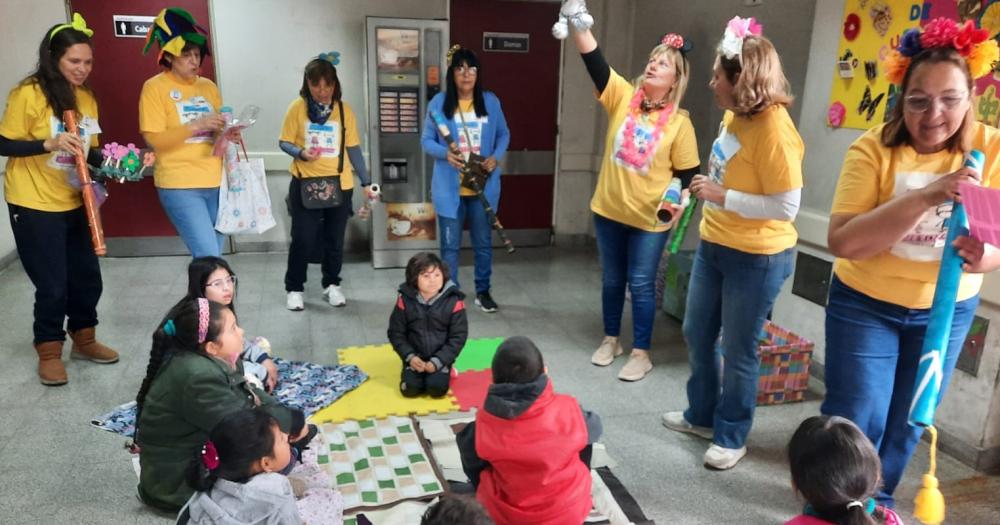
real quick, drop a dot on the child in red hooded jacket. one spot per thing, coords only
(528, 451)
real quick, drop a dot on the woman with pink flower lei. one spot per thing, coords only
(887, 230)
(747, 243)
(649, 142)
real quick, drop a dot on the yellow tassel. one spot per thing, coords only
(929, 503)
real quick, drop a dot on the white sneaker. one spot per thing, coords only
(721, 458)
(295, 302)
(606, 353)
(675, 421)
(334, 295)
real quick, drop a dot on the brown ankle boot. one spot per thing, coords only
(85, 346)
(51, 371)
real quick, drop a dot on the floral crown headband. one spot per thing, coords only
(974, 45)
(677, 42)
(332, 57)
(736, 32)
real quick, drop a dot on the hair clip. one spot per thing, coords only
(332, 57)
(451, 52)
(169, 328)
(203, 318)
(209, 456)
(676, 41)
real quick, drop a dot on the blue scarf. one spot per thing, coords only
(318, 113)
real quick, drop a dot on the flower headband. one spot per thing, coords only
(451, 52)
(209, 456)
(332, 57)
(736, 31)
(202, 319)
(975, 45)
(78, 24)
(677, 42)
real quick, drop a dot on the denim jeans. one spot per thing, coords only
(481, 233)
(628, 255)
(734, 291)
(192, 212)
(872, 354)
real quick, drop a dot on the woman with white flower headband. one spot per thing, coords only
(649, 142)
(888, 227)
(747, 243)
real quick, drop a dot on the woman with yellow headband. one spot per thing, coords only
(179, 118)
(46, 211)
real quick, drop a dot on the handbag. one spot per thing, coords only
(474, 175)
(324, 192)
(244, 202)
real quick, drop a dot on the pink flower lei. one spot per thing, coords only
(629, 152)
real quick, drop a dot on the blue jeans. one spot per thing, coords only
(481, 233)
(732, 291)
(628, 255)
(872, 353)
(192, 212)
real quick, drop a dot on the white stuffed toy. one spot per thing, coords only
(575, 12)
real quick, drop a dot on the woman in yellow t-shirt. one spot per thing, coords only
(319, 131)
(888, 226)
(649, 142)
(46, 212)
(179, 117)
(751, 197)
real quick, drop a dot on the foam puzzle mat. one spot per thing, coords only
(470, 388)
(477, 354)
(375, 463)
(379, 396)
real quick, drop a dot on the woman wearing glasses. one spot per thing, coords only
(887, 229)
(478, 126)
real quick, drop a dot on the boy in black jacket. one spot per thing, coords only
(428, 326)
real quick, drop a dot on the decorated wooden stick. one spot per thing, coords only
(89, 200)
(491, 215)
(680, 231)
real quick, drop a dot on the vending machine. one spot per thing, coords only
(406, 67)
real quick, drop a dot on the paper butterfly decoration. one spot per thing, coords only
(869, 104)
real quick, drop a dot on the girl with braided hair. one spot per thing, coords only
(192, 382)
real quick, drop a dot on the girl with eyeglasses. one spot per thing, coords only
(213, 278)
(478, 125)
(888, 227)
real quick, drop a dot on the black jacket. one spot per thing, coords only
(434, 330)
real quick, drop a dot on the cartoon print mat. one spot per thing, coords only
(378, 462)
(379, 397)
(305, 386)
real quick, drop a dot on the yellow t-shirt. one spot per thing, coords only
(906, 273)
(324, 138)
(41, 182)
(761, 155)
(168, 102)
(628, 193)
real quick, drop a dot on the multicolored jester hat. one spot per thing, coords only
(172, 29)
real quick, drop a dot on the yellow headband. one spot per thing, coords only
(78, 24)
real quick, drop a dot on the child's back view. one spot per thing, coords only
(524, 450)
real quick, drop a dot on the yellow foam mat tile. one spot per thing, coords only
(379, 396)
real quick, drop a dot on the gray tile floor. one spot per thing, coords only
(61, 470)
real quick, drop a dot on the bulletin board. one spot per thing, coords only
(861, 97)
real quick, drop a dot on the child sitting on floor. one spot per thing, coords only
(236, 476)
(213, 278)
(428, 326)
(528, 451)
(191, 384)
(453, 509)
(837, 470)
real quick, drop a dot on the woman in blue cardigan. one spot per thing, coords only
(478, 126)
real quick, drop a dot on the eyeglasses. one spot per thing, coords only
(224, 283)
(922, 103)
(466, 70)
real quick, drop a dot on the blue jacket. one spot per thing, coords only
(444, 184)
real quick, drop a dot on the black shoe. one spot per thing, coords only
(302, 444)
(486, 303)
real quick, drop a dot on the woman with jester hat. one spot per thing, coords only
(888, 229)
(179, 118)
(751, 196)
(649, 142)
